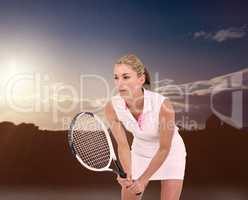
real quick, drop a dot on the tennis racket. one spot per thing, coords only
(90, 143)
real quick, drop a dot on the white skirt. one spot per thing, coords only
(172, 168)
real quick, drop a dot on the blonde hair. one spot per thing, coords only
(135, 63)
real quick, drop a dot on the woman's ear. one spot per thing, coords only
(142, 79)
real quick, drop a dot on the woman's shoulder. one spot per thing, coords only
(109, 109)
(155, 95)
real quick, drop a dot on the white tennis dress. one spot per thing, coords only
(146, 138)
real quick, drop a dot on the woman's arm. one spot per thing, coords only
(120, 137)
(166, 130)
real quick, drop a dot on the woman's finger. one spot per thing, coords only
(135, 187)
(120, 180)
(124, 182)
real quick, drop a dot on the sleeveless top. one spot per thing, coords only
(145, 130)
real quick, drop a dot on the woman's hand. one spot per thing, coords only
(125, 182)
(138, 186)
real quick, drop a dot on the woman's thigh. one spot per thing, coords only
(171, 189)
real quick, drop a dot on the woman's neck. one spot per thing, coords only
(136, 102)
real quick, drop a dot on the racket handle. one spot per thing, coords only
(122, 174)
(120, 171)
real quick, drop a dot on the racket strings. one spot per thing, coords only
(93, 155)
(90, 142)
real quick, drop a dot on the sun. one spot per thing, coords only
(10, 67)
(13, 73)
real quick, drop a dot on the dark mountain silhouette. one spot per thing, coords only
(217, 154)
(32, 156)
(29, 155)
(213, 122)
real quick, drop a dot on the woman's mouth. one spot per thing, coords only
(122, 90)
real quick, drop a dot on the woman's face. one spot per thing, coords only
(126, 80)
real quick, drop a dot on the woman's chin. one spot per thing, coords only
(124, 94)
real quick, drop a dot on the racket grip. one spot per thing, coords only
(120, 170)
(122, 174)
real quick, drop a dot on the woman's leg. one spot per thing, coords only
(128, 195)
(171, 189)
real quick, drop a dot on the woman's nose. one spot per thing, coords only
(119, 83)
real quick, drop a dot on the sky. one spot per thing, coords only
(61, 40)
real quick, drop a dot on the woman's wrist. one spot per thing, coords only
(129, 176)
(143, 179)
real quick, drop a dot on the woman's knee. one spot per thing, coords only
(128, 195)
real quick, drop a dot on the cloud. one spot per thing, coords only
(223, 34)
(230, 33)
(201, 34)
(231, 81)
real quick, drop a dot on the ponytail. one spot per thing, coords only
(147, 84)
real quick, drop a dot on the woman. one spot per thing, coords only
(157, 151)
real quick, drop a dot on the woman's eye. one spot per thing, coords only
(126, 77)
(115, 78)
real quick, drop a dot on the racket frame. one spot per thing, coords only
(118, 167)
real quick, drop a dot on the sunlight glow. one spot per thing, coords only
(10, 67)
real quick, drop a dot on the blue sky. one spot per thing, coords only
(160, 32)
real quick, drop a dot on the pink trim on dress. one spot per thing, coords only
(140, 118)
(125, 105)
